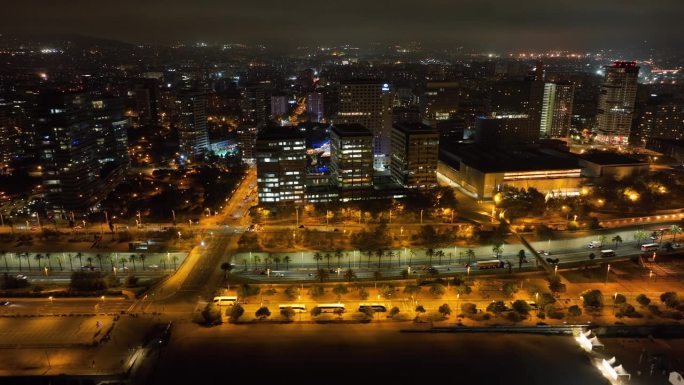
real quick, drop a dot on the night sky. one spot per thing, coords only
(485, 24)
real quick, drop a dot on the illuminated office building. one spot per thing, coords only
(369, 103)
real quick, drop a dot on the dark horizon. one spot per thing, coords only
(487, 25)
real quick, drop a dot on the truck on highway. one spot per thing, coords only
(607, 253)
(489, 264)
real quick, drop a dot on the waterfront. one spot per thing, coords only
(310, 353)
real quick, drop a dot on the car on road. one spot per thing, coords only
(21, 276)
(543, 252)
(4, 302)
(594, 244)
(553, 261)
(153, 267)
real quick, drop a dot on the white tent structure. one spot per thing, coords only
(615, 371)
(676, 378)
(589, 342)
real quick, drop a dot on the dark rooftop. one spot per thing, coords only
(273, 132)
(490, 160)
(351, 130)
(415, 128)
(608, 158)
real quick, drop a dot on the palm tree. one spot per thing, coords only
(338, 255)
(322, 274)
(123, 261)
(19, 258)
(256, 261)
(132, 258)
(90, 261)
(379, 253)
(287, 260)
(71, 261)
(369, 254)
(349, 275)
(639, 236)
(38, 258)
(327, 257)
(4, 255)
(174, 258)
(498, 249)
(617, 239)
(276, 259)
(450, 255)
(28, 260)
(99, 259)
(440, 255)
(674, 229)
(317, 257)
(411, 255)
(226, 267)
(390, 255)
(470, 253)
(430, 253)
(80, 258)
(47, 256)
(142, 259)
(59, 260)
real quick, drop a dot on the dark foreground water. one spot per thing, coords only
(367, 354)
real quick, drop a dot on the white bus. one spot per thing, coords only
(607, 253)
(225, 300)
(377, 307)
(330, 307)
(297, 307)
(650, 247)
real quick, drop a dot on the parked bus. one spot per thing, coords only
(225, 300)
(377, 307)
(297, 307)
(490, 264)
(607, 253)
(330, 307)
(650, 247)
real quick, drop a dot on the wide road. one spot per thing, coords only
(569, 251)
(59, 306)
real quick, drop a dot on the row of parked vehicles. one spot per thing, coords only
(228, 300)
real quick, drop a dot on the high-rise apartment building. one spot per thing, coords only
(314, 106)
(111, 127)
(351, 163)
(192, 126)
(8, 137)
(523, 100)
(616, 102)
(279, 106)
(415, 150)
(660, 116)
(256, 103)
(556, 113)
(281, 165)
(246, 141)
(369, 104)
(73, 177)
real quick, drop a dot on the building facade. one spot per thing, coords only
(192, 126)
(556, 114)
(351, 163)
(415, 149)
(369, 104)
(616, 103)
(281, 165)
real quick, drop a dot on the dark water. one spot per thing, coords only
(367, 354)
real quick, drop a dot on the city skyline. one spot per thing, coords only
(492, 25)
